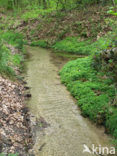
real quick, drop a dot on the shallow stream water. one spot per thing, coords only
(61, 130)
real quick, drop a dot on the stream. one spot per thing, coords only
(61, 130)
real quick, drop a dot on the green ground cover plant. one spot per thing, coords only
(73, 45)
(94, 91)
(12, 38)
(35, 12)
(5, 60)
(86, 47)
(9, 60)
(40, 43)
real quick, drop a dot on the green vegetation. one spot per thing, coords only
(40, 43)
(44, 4)
(93, 90)
(73, 45)
(10, 57)
(14, 39)
(86, 47)
(34, 14)
(92, 80)
(5, 60)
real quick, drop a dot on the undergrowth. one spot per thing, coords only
(76, 46)
(91, 81)
(9, 60)
(73, 45)
(12, 38)
(93, 90)
(34, 13)
(40, 43)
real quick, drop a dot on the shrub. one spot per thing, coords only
(4, 61)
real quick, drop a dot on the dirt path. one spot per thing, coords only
(63, 131)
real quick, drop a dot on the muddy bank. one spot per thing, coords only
(61, 130)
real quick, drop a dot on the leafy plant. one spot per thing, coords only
(35, 12)
(40, 43)
(93, 91)
(4, 61)
(86, 47)
(8, 60)
(73, 45)
(14, 39)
